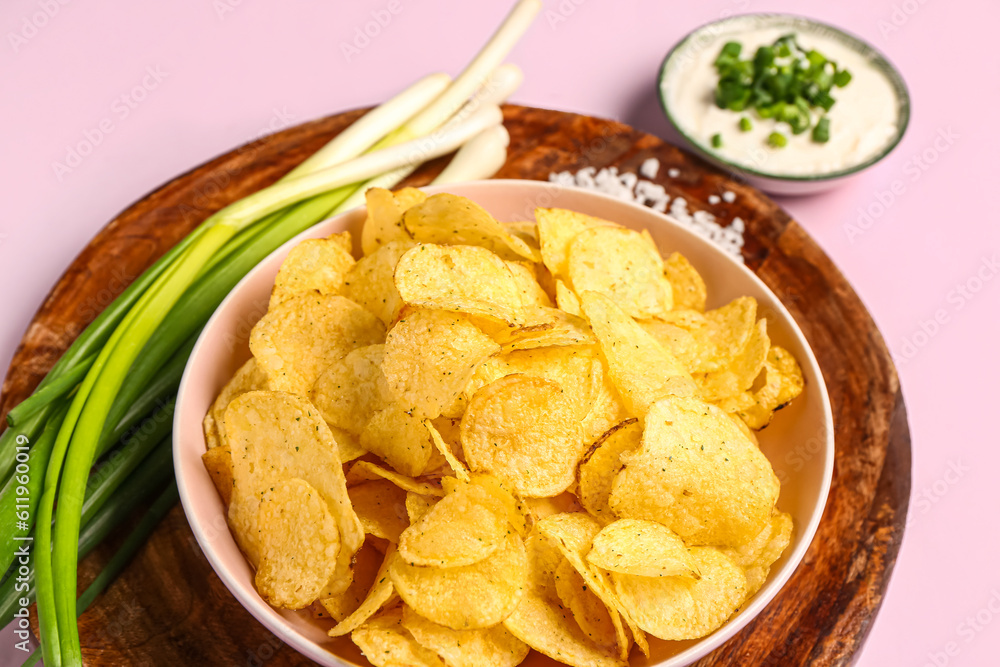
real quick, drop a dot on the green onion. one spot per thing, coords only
(716, 140)
(745, 124)
(777, 139)
(821, 133)
(58, 388)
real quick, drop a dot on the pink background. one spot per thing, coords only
(924, 260)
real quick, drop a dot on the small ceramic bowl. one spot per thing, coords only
(713, 35)
(799, 442)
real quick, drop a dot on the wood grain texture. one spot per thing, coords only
(169, 607)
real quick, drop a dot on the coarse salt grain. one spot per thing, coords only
(729, 196)
(713, 199)
(650, 168)
(629, 187)
(673, 173)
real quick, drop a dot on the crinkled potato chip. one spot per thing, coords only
(514, 509)
(275, 436)
(461, 472)
(624, 266)
(698, 474)
(588, 611)
(567, 299)
(676, 340)
(449, 219)
(381, 508)
(464, 279)
(386, 643)
(400, 439)
(757, 556)
(688, 287)
(540, 621)
(557, 228)
(218, 461)
(313, 265)
(641, 369)
(468, 597)
(379, 596)
(249, 377)
(558, 330)
(602, 463)
(430, 355)
(299, 543)
(532, 293)
(384, 220)
(370, 282)
(782, 382)
(489, 647)
(721, 334)
(676, 608)
(463, 528)
(348, 446)
(366, 565)
(417, 505)
(643, 548)
(352, 389)
(300, 337)
(364, 471)
(739, 375)
(525, 431)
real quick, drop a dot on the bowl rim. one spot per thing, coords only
(271, 618)
(878, 59)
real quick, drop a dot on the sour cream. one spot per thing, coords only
(863, 122)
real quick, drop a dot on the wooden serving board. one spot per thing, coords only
(169, 607)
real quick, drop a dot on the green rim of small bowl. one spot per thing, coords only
(764, 19)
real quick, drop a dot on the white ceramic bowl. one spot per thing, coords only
(799, 442)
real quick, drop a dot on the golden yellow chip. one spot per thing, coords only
(445, 449)
(698, 474)
(430, 355)
(468, 597)
(641, 369)
(557, 228)
(688, 287)
(741, 372)
(678, 341)
(365, 471)
(453, 220)
(348, 446)
(386, 643)
(417, 505)
(588, 611)
(540, 621)
(370, 282)
(248, 378)
(554, 329)
(643, 548)
(567, 300)
(524, 431)
(299, 543)
(381, 508)
(757, 556)
(352, 389)
(602, 463)
(464, 279)
(526, 279)
(313, 265)
(366, 565)
(515, 511)
(489, 647)
(384, 220)
(676, 608)
(300, 337)
(721, 334)
(400, 439)
(782, 382)
(218, 461)
(463, 528)
(276, 436)
(624, 266)
(380, 595)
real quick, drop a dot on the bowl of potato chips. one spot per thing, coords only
(502, 423)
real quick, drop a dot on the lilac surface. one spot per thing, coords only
(156, 88)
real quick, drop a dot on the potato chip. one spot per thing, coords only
(739, 375)
(624, 266)
(313, 265)
(463, 528)
(489, 647)
(400, 439)
(722, 334)
(524, 431)
(688, 287)
(588, 611)
(430, 355)
(386, 643)
(641, 369)
(464, 279)
(417, 505)
(526, 230)
(299, 544)
(459, 468)
(370, 282)
(643, 548)
(381, 508)
(782, 383)
(249, 377)
(379, 596)
(384, 220)
(352, 389)
(675, 608)
(276, 436)
(541, 623)
(449, 219)
(697, 474)
(366, 565)
(300, 337)
(678, 341)
(468, 597)
(365, 471)
(532, 293)
(558, 329)
(557, 228)
(515, 511)
(757, 556)
(218, 461)
(567, 299)
(602, 463)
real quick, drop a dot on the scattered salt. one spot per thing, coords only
(673, 173)
(629, 187)
(713, 199)
(729, 196)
